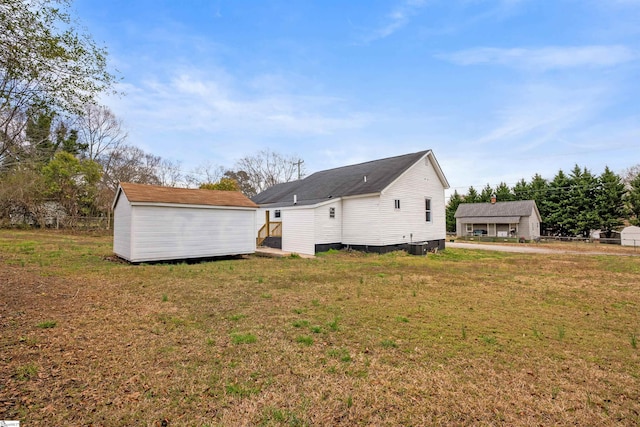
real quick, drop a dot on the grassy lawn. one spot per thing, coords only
(457, 338)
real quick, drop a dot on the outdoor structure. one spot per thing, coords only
(153, 223)
(630, 236)
(376, 206)
(499, 219)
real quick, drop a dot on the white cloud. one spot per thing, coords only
(397, 19)
(189, 102)
(546, 58)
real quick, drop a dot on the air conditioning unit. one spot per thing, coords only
(418, 248)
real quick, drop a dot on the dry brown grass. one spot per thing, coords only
(459, 338)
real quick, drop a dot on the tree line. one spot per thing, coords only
(60, 150)
(570, 204)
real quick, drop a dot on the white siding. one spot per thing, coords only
(163, 233)
(298, 231)
(260, 218)
(361, 221)
(529, 226)
(409, 223)
(630, 236)
(327, 229)
(122, 228)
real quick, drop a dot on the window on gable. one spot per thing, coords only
(427, 208)
(332, 212)
(396, 203)
(277, 213)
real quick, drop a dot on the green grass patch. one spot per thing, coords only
(388, 343)
(26, 372)
(300, 323)
(47, 324)
(243, 338)
(304, 340)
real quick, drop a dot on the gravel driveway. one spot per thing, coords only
(526, 249)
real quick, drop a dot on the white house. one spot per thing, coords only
(499, 219)
(379, 206)
(153, 223)
(630, 236)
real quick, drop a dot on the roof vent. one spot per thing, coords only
(365, 178)
(295, 199)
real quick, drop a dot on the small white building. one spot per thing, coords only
(630, 236)
(153, 223)
(377, 206)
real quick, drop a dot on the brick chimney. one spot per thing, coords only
(493, 199)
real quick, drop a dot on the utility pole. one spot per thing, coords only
(299, 162)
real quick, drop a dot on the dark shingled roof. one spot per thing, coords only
(184, 196)
(340, 182)
(499, 209)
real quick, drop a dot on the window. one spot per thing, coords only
(277, 213)
(469, 228)
(427, 208)
(332, 212)
(396, 203)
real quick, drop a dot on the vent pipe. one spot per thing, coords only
(295, 199)
(493, 199)
(365, 178)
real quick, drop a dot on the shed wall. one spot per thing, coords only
(164, 233)
(122, 227)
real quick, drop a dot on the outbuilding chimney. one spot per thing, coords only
(493, 199)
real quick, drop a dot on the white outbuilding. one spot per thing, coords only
(630, 236)
(154, 223)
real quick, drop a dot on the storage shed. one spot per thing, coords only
(154, 223)
(630, 236)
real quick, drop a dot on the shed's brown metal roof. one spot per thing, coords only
(184, 196)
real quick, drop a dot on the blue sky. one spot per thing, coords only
(498, 89)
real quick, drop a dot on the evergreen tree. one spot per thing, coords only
(67, 140)
(451, 209)
(581, 216)
(485, 195)
(555, 205)
(503, 193)
(633, 201)
(538, 191)
(38, 134)
(610, 201)
(471, 196)
(522, 190)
